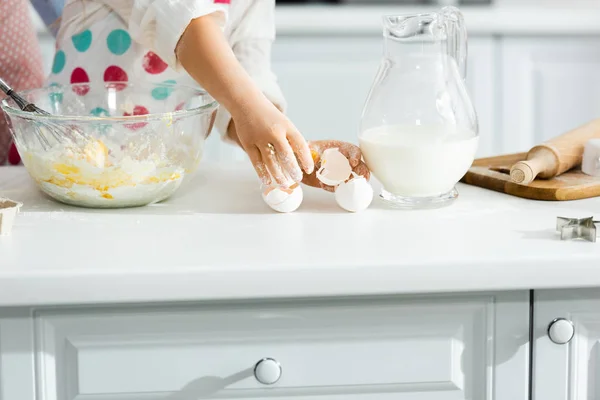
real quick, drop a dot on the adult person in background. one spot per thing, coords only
(20, 62)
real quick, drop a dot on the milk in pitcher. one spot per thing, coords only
(418, 161)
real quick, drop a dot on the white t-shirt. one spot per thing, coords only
(158, 25)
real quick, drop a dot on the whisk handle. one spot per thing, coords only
(5, 88)
(21, 102)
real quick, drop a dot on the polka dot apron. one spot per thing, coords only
(106, 53)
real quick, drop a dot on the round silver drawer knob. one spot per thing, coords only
(267, 371)
(561, 331)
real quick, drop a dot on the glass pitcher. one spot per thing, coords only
(418, 130)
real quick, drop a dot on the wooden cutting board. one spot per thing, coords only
(493, 173)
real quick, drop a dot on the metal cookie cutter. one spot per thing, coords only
(577, 228)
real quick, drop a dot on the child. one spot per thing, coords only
(224, 48)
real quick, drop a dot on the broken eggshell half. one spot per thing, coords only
(352, 192)
(283, 199)
(335, 167)
(355, 195)
(8, 212)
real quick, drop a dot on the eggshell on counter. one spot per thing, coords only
(355, 195)
(283, 200)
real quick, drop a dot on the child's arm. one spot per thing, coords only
(251, 39)
(188, 33)
(270, 139)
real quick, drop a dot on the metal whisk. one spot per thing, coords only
(60, 133)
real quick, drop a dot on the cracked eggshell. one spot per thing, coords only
(283, 200)
(8, 212)
(355, 195)
(335, 167)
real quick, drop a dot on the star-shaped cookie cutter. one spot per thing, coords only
(577, 228)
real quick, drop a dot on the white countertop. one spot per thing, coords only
(217, 240)
(482, 20)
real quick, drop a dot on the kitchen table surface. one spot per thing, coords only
(216, 239)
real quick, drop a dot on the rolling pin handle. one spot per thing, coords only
(541, 161)
(522, 173)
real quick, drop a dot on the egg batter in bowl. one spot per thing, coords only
(129, 160)
(94, 179)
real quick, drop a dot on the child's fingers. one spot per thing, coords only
(351, 152)
(287, 160)
(259, 166)
(269, 158)
(327, 188)
(362, 170)
(311, 180)
(302, 151)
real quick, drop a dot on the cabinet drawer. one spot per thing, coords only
(424, 348)
(566, 368)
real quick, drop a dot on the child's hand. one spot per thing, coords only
(352, 153)
(273, 144)
(271, 141)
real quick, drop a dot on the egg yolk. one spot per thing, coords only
(315, 155)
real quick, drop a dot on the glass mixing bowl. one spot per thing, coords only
(134, 145)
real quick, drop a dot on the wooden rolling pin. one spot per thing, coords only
(555, 156)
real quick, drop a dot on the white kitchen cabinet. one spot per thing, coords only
(550, 85)
(482, 83)
(571, 370)
(326, 80)
(17, 366)
(417, 348)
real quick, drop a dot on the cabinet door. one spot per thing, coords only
(402, 348)
(551, 85)
(17, 365)
(326, 80)
(569, 371)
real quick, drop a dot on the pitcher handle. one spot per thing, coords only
(456, 37)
